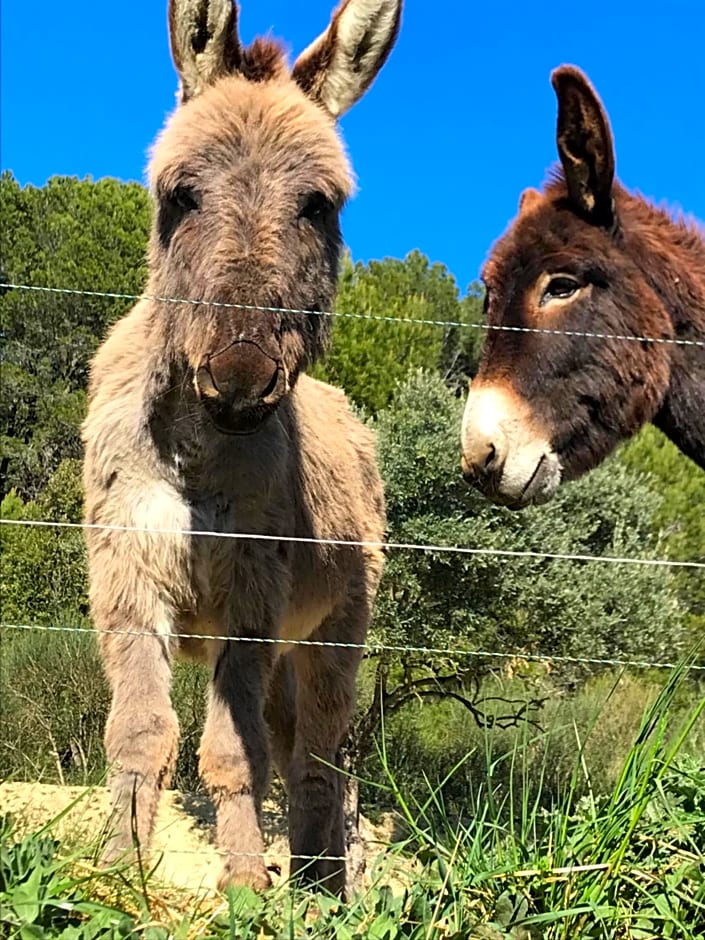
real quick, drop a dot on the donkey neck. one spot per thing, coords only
(671, 257)
(682, 413)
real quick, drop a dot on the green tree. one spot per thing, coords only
(75, 234)
(681, 514)
(462, 344)
(369, 357)
(43, 569)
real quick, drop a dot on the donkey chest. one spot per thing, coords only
(225, 549)
(196, 548)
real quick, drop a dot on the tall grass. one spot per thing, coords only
(627, 863)
(54, 703)
(530, 761)
(512, 863)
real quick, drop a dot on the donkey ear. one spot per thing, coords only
(584, 144)
(204, 42)
(339, 66)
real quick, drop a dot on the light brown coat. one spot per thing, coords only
(199, 419)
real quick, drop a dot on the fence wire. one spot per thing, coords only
(352, 543)
(372, 648)
(272, 856)
(460, 324)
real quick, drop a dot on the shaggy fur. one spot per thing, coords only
(200, 419)
(632, 269)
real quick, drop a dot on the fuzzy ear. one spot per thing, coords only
(204, 42)
(584, 144)
(339, 66)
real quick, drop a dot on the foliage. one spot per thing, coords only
(43, 570)
(623, 865)
(71, 234)
(458, 602)
(54, 704)
(438, 744)
(87, 234)
(519, 800)
(41, 897)
(369, 357)
(682, 488)
(680, 516)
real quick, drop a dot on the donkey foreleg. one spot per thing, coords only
(141, 736)
(234, 760)
(325, 698)
(280, 715)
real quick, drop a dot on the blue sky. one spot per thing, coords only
(459, 122)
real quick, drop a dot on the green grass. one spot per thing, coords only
(627, 864)
(624, 864)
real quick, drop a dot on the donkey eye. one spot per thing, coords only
(184, 198)
(174, 205)
(560, 287)
(315, 207)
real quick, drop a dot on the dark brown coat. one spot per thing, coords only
(587, 256)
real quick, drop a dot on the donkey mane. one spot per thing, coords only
(667, 243)
(654, 214)
(263, 60)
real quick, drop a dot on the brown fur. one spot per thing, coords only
(638, 271)
(199, 419)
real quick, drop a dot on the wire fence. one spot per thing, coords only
(371, 647)
(459, 324)
(421, 547)
(352, 543)
(271, 855)
(388, 852)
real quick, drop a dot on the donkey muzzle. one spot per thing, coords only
(240, 386)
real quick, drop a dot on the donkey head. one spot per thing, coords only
(249, 177)
(547, 407)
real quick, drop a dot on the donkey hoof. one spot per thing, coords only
(235, 874)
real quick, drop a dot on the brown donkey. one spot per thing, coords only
(199, 419)
(585, 256)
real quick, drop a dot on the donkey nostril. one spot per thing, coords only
(467, 469)
(205, 383)
(271, 385)
(490, 458)
(483, 456)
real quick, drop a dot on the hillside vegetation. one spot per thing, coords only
(510, 748)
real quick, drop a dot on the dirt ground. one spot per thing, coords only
(183, 840)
